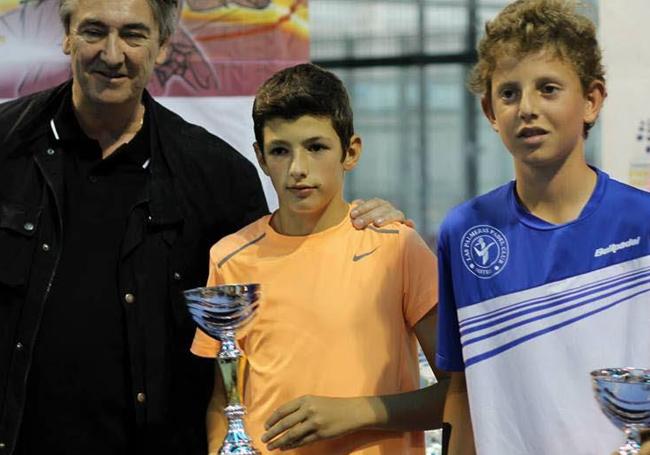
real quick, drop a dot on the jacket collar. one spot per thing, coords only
(35, 117)
(37, 120)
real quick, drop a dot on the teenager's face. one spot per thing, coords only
(305, 161)
(538, 108)
(114, 46)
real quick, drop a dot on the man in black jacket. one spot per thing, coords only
(108, 206)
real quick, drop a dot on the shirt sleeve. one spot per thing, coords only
(420, 277)
(204, 345)
(449, 353)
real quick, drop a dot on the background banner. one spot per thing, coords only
(626, 116)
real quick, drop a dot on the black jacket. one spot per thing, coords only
(200, 189)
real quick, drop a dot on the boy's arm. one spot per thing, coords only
(450, 357)
(458, 416)
(310, 418)
(216, 422)
(421, 409)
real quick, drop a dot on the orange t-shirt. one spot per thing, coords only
(336, 318)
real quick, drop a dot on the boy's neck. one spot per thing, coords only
(556, 194)
(288, 222)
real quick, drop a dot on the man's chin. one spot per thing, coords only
(109, 97)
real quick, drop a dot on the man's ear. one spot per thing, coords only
(486, 105)
(66, 44)
(594, 99)
(163, 51)
(259, 154)
(353, 153)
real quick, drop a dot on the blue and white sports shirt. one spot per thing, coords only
(527, 309)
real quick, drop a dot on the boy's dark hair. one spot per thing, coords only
(528, 26)
(304, 89)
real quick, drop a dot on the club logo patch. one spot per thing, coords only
(485, 251)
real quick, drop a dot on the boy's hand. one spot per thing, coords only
(310, 418)
(377, 212)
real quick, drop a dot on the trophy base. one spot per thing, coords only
(239, 451)
(237, 442)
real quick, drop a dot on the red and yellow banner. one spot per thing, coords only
(229, 47)
(221, 47)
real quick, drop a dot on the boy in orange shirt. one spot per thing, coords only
(332, 354)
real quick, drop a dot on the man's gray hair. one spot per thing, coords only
(165, 13)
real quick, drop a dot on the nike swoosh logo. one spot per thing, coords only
(358, 257)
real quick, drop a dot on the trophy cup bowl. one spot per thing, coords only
(219, 311)
(624, 396)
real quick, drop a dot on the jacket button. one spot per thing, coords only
(50, 152)
(177, 276)
(19, 346)
(29, 227)
(141, 397)
(2, 446)
(129, 298)
(45, 247)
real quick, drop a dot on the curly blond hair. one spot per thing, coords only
(528, 26)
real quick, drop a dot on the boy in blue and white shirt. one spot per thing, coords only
(547, 277)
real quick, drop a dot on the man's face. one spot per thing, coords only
(305, 161)
(114, 46)
(538, 108)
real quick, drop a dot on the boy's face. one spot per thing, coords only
(306, 163)
(538, 107)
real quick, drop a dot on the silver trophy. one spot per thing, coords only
(219, 311)
(624, 396)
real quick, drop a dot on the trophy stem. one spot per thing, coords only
(632, 445)
(236, 442)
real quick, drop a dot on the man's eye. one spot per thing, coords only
(133, 36)
(92, 32)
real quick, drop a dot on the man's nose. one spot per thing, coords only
(112, 53)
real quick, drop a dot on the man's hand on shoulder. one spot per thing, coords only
(376, 211)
